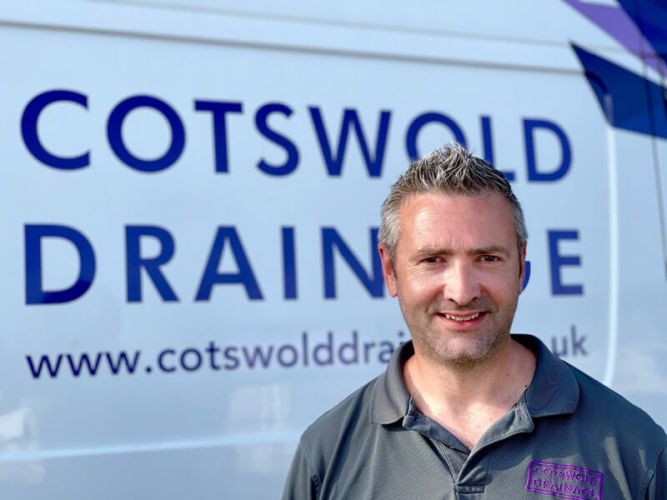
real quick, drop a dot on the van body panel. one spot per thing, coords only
(190, 207)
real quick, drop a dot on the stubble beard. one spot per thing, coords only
(434, 343)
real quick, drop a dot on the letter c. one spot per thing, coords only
(29, 129)
(160, 360)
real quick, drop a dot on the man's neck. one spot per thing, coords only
(468, 399)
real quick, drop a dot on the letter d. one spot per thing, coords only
(34, 289)
(534, 174)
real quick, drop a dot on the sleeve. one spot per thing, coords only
(657, 487)
(301, 483)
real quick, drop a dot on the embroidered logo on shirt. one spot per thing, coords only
(564, 481)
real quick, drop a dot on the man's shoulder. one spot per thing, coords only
(327, 441)
(608, 409)
(572, 404)
(564, 389)
(353, 411)
(383, 400)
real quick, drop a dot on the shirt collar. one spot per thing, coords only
(390, 399)
(553, 391)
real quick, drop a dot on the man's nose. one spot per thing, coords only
(462, 284)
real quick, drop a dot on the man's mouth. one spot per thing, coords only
(459, 317)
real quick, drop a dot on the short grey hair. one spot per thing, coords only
(448, 170)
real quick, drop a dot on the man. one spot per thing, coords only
(465, 410)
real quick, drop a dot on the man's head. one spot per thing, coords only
(448, 170)
(453, 251)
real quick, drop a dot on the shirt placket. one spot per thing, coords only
(468, 469)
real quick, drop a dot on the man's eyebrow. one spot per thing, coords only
(426, 251)
(492, 249)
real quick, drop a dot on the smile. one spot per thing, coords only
(461, 318)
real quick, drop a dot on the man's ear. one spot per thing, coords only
(388, 270)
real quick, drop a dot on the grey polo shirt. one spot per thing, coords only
(567, 437)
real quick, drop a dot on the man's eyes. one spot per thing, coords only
(437, 259)
(433, 259)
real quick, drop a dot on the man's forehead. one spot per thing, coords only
(439, 219)
(419, 202)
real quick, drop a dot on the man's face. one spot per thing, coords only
(457, 273)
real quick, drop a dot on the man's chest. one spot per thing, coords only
(408, 465)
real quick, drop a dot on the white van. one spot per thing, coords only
(190, 202)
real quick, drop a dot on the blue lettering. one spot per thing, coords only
(333, 163)
(257, 354)
(34, 289)
(526, 276)
(230, 355)
(135, 262)
(387, 349)
(487, 139)
(262, 123)
(289, 263)
(212, 349)
(116, 363)
(115, 136)
(424, 119)
(304, 344)
(29, 129)
(529, 127)
(294, 355)
(351, 348)
(44, 366)
(160, 360)
(323, 352)
(194, 354)
(244, 276)
(84, 360)
(219, 109)
(558, 261)
(373, 282)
